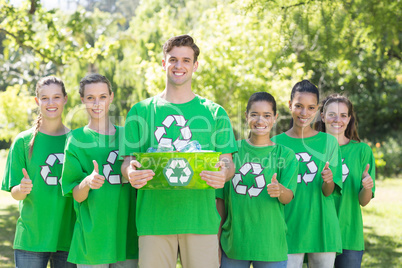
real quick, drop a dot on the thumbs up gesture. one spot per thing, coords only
(94, 180)
(26, 183)
(367, 181)
(274, 187)
(326, 174)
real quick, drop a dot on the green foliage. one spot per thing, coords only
(388, 155)
(16, 106)
(350, 47)
(48, 41)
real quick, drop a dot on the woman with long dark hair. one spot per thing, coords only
(313, 226)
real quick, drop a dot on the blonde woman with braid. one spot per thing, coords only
(32, 175)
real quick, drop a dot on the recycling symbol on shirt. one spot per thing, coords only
(45, 169)
(311, 166)
(107, 169)
(178, 172)
(184, 131)
(345, 171)
(256, 169)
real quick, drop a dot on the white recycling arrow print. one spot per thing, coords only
(183, 172)
(260, 181)
(45, 169)
(345, 171)
(245, 169)
(107, 169)
(253, 191)
(160, 131)
(187, 172)
(239, 188)
(186, 133)
(173, 164)
(181, 121)
(181, 163)
(179, 142)
(256, 168)
(304, 156)
(307, 177)
(168, 121)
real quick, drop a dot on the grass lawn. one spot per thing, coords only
(8, 218)
(382, 225)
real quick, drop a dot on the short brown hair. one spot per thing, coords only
(181, 41)
(92, 79)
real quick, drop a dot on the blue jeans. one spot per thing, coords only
(226, 262)
(120, 264)
(31, 259)
(349, 259)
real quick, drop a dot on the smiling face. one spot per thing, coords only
(260, 118)
(179, 66)
(51, 101)
(303, 108)
(336, 118)
(97, 100)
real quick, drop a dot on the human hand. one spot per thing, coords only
(215, 179)
(95, 180)
(25, 185)
(367, 181)
(138, 178)
(273, 188)
(326, 174)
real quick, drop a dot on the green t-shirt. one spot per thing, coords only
(355, 157)
(311, 217)
(155, 121)
(255, 227)
(46, 217)
(101, 233)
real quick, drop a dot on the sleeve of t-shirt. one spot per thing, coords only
(368, 158)
(72, 173)
(288, 169)
(132, 139)
(224, 136)
(335, 164)
(15, 162)
(219, 193)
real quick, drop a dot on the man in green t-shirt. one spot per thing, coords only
(172, 221)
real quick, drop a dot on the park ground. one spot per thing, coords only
(382, 225)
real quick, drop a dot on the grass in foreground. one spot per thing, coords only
(382, 225)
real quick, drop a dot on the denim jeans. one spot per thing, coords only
(231, 263)
(315, 260)
(349, 259)
(31, 259)
(119, 264)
